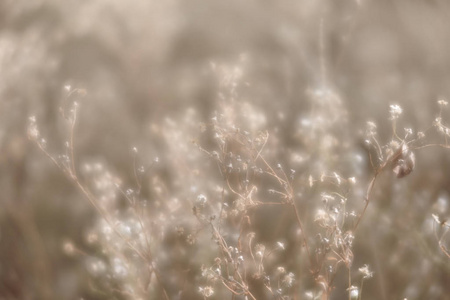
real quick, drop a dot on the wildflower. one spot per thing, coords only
(201, 199)
(260, 249)
(288, 279)
(437, 122)
(371, 128)
(366, 272)
(33, 132)
(190, 239)
(206, 291)
(292, 174)
(322, 217)
(442, 103)
(408, 131)
(348, 238)
(395, 111)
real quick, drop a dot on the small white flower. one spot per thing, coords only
(33, 132)
(206, 291)
(201, 199)
(366, 272)
(395, 111)
(288, 279)
(442, 103)
(371, 128)
(321, 216)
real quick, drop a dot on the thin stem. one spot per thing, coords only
(361, 289)
(304, 238)
(349, 285)
(71, 145)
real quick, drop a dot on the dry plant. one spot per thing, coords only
(221, 232)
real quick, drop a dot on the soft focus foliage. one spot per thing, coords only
(224, 149)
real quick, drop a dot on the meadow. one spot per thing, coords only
(241, 150)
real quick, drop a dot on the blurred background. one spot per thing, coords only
(311, 73)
